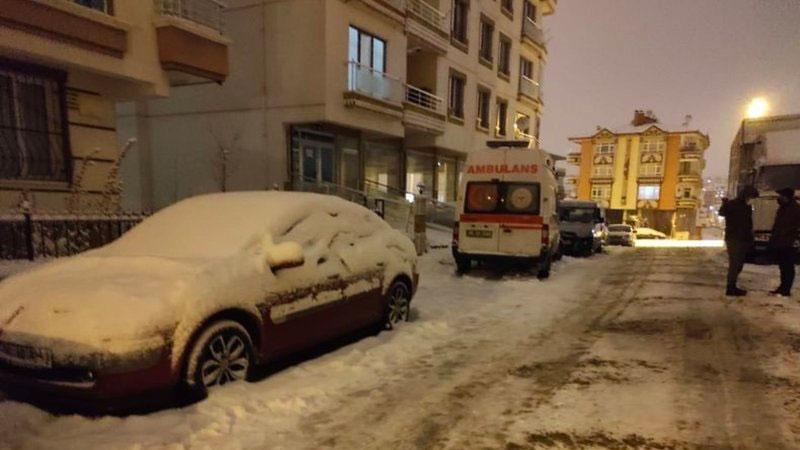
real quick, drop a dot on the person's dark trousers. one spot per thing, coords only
(786, 260)
(737, 252)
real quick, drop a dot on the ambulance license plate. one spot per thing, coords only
(484, 234)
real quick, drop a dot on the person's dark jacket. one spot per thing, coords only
(738, 221)
(787, 225)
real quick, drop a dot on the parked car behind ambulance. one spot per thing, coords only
(506, 207)
(583, 228)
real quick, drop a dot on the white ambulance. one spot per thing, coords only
(507, 208)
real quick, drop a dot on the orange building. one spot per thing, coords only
(644, 172)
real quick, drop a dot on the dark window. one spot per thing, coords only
(484, 97)
(526, 68)
(460, 19)
(529, 10)
(456, 98)
(504, 56)
(33, 138)
(487, 38)
(502, 117)
(100, 5)
(367, 50)
(508, 5)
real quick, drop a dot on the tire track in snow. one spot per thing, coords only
(426, 405)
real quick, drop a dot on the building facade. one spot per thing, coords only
(351, 95)
(63, 66)
(644, 172)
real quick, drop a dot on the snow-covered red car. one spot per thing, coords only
(200, 293)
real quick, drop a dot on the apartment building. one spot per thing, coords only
(644, 172)
(63, 66)
(349, 95)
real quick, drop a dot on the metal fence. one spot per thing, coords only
(394, 205)
(26, 236)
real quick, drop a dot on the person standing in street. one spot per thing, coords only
(738, 235)
(784, 235)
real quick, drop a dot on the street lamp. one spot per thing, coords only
(757, 108)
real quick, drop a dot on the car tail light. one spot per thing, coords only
(455, 233)
(545, 234)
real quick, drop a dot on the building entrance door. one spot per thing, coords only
(315, 159)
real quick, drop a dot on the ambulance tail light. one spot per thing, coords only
(455, 234)
(545, 234)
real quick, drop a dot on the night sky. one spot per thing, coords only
(706, 58)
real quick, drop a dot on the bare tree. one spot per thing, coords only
(112, 189)
(76, 191)
(224, 159)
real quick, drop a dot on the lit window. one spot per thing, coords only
(649, 192)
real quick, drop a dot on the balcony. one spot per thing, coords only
(687, 202)
(574, 158)
(533, 34)
(391, 9)
(86, 24)
(423, 111)
(373, 90)
(427, 27)
(529, 89)
(191, 47)
(691, 153)
(689, 176)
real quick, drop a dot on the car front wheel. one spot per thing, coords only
(398, 304)
(222, 354)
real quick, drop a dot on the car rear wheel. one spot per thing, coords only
(398, 304)
(222, 354)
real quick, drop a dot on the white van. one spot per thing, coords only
(506, 207)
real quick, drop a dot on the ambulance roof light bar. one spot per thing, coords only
(508, 143)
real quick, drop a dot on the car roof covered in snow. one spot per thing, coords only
(220, 225)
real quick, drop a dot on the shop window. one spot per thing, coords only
(420, 173)
(382, 165)
(446, 180)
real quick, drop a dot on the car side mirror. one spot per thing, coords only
(284, 255)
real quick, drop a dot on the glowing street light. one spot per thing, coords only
(757, 108)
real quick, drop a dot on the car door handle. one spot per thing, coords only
(335, 276)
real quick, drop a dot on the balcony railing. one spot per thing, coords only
(98, 5)
(424, 99)
(528, 87)
(428, 13)
(532, 31)
(203, 12)
(376, 84)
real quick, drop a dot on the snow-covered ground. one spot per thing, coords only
(633, 349)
